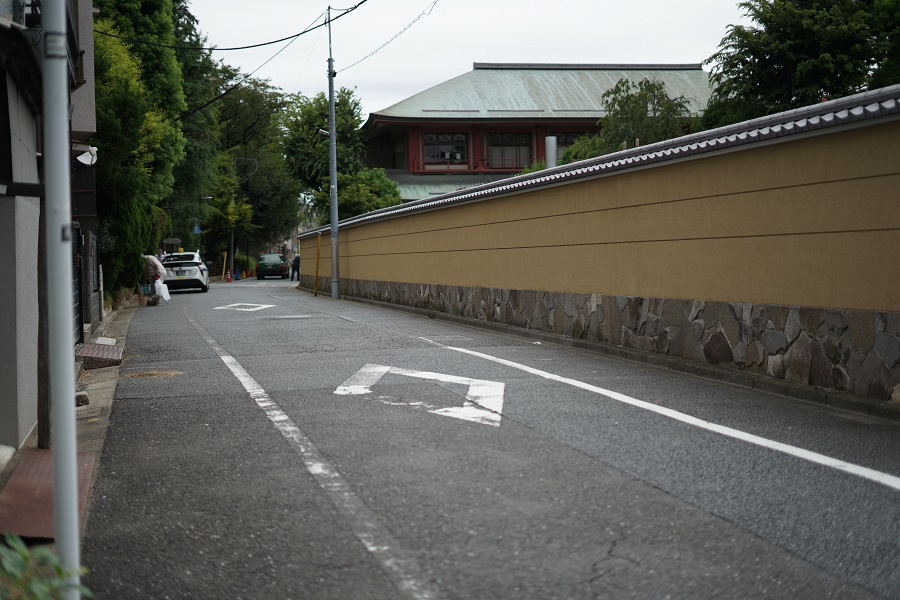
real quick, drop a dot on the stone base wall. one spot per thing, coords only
(855, 351)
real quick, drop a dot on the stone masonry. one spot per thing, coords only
(855, 351)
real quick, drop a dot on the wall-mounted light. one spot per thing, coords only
(88, 158)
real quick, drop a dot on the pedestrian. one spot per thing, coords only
(153, 272)
(295, 267)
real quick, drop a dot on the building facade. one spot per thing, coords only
(21, 192)
(495, 121)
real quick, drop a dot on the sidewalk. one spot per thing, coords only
(26, 483)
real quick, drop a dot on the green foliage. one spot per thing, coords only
(227, 211)
(161, 78)
(33, 574)
(253, 133)
(360, 190)
(139, 97)
(154, 21)
(886, 17)
(195, 175)
(636, 114)
(538, 165)
(586, 146)
(307, 149)
(797, 52)
(128, 130)
(358, 193)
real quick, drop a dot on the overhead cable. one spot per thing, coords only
(246, 77)
(214, 49)
(424, 13)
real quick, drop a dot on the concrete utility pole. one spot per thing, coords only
(332, 166)
(59, 279)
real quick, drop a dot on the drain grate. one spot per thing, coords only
(96, 356)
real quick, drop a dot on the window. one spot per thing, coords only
(446, 148)
(509, 150)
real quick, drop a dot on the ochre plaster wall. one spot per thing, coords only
(809, 222)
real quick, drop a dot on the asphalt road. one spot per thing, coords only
(265, 443)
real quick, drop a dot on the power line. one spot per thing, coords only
(214, 49)
(424, 13)
(208, 49)
(246, 77)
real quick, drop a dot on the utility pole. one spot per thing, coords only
(57, 161)
(332, 166)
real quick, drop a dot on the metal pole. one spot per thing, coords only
(550, 151)
(59, 278)
(332, 167)
(318, 250)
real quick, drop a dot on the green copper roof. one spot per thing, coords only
(542, 91)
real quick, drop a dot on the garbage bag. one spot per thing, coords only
(162, 290)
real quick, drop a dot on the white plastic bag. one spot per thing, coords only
(162, 290)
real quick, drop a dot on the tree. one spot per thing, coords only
(799, 52)
(307, 148)
(252, 132)
(226, 213)
(152, 21)
(359, 189)
(194, 176)
(358, 193)
(127, 136)
(139, 97)
(636, 114)
(886, 16)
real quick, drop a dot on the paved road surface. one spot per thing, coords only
(265, 443)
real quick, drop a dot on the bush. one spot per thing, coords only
(32, 574)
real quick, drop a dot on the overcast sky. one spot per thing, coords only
(450, 35)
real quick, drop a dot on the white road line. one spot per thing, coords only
(402, 569)
(883, 478)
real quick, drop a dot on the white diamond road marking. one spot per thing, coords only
(244, 307)
(484, 399)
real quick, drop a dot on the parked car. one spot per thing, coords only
(185, 270)
(272, 265)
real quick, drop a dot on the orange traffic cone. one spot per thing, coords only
(228, 276)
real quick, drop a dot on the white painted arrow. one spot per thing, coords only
(484, 399)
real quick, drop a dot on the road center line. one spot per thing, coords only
(883, 478)
(401, 569)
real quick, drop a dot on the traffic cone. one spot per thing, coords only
(228, 276)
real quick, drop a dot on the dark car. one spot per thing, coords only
(272, 265)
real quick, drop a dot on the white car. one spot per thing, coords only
(185, 270)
